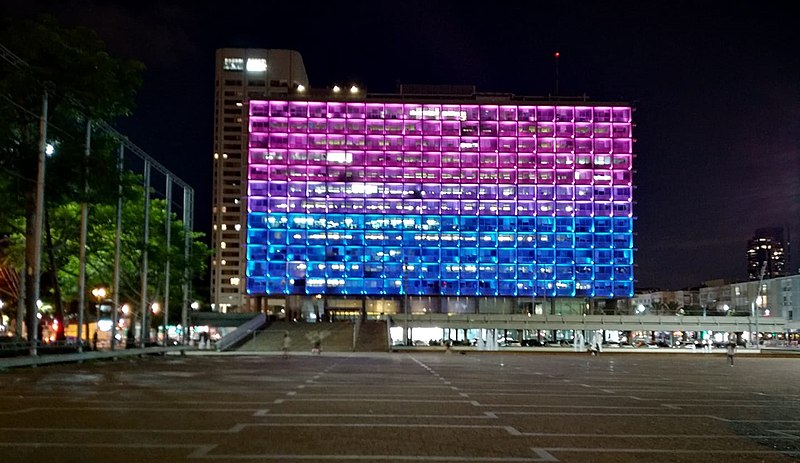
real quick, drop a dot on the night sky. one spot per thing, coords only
(716, 87)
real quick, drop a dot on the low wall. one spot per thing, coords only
(32, 361)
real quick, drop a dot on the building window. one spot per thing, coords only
(256, 64)
(233, 64)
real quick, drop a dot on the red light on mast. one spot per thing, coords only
(557, 54)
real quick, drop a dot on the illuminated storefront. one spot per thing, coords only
(380, 198)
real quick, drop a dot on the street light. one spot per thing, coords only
(99, 294)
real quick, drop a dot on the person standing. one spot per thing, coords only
(316, 348)
(287, 342)
(731, 351)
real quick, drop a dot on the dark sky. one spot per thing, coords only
(716, 86)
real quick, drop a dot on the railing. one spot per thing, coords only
(241, 332)
(591, 322)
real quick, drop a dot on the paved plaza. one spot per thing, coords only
(404, 407)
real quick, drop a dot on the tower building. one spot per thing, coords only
(241, 75)
(767, 245)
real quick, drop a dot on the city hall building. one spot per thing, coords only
(436, 200)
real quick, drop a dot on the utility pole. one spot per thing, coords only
(33, 269)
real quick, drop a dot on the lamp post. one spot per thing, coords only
(99, 294)
(404, 287)
(759, 302)
(155, 309)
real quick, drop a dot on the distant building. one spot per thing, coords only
(767, 245)
(241, 75)
(657, 302)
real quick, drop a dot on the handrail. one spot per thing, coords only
(245, 329)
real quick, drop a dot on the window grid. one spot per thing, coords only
(389, 199)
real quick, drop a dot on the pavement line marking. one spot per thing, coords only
(662, 415)
(377, 425)
(786, 433)
(203, 452)
(582, 407)
(732, 420)
(356, 398)
(291, 393)
(543, 455)
(672, 451)
(261, 412)
(649, 436)
(742, 405)
(483, 415)
(511, 430)
(278, 401)
(671, 406)
(232, 429)
(734, 401)
(528, 394)
(133, 401)
(98, 445)
(21, 410)
(114, 409)
(350, 384)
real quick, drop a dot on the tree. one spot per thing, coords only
(64, 227)
(83, 82)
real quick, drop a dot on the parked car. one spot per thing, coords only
(532, 343)
(508, 342)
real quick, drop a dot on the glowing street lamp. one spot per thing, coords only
(99, 293)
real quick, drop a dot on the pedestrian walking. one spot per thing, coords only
(731, 352)
(287, 342)
(317, 346)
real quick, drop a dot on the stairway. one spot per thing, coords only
(335, 337)
(372, 337)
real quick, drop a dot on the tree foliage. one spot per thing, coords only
(83, 83)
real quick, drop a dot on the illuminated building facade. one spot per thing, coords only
(487, 198)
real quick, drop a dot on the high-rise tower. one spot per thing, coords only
(767, 245)
(241, 75)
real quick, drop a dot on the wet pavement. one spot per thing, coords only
(404, 407)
